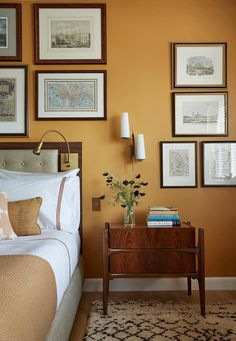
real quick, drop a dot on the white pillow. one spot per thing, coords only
(6, 230)
(8, 174)
(60, 208)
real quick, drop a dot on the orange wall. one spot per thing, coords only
(139, 33)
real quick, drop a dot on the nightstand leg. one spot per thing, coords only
(201, 271)
(106, 274)
(189, 286)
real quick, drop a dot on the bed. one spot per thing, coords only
(49, 286)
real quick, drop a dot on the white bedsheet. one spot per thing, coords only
(60, 248)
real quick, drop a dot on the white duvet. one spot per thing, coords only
(60, 248)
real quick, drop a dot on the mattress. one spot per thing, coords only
(60, 249)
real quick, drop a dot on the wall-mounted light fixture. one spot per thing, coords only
(137, 144)
(67, 160)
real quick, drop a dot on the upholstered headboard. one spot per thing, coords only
(18, 156)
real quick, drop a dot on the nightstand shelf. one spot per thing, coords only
(149, 252)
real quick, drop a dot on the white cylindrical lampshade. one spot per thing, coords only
(124, 129)
(139, 147)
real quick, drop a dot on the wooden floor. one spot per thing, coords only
(79, 327)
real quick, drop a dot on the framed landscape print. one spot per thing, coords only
(10, 32)
(199, 65)
(200, 114)
(178, 164)
(70, 33)
(13, 101)
(219, 163)
(71, 95)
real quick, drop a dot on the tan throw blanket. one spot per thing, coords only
(28, 298)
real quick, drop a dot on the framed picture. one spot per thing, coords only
(10, 32)
(13, 101)
(200, 114)
(71, 95)
(199, 65)
(178, 164)
(219, 163)
(70, 33)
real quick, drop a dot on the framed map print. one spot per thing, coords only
(13, 101)
(70, 33)
(199, 65)
(178, 164)
(10, 32)
(71, 95)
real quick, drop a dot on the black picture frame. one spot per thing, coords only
(178, 162)
(219, 163)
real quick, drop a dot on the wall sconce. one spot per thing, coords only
(67, 160)
(137, 145)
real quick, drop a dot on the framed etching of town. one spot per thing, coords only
(219, 163)
(10, 32)
(199, 65)
(71, 95)
(200, 114)
(178, 164)
(13, 100)
(70, 33)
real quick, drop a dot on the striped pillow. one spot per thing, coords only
(6, 230)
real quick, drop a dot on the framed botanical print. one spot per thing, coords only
(71, 95)
(178, 164)
(70, 33)
(13, 101)
(10, 32)
(219, 163)
(199, 65)
(200, 114)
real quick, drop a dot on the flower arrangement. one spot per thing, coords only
(127, 193)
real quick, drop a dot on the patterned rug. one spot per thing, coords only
(151, 320)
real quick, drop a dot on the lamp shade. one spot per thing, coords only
(139, 147)
(124, 128)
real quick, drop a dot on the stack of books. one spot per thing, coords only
(163, 217)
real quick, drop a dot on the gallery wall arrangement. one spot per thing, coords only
(60, 95)
(202, 113)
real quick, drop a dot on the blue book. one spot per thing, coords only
(155, 217)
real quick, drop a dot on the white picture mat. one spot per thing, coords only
(93, 15)
(18, 126)
(215, 53)
(200, 129)
(180, 181)
(99, 113)
(219, 164)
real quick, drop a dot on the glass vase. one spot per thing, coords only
(129, 217)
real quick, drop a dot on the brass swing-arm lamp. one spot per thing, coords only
(68, 163)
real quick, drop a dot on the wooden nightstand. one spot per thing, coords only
(148, 252)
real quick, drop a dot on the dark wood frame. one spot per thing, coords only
(203, 164)
(103, 58)
(25, 67)
(162, 165)
(18, 56)
(174, 61)
(104, 72)
(175, 94)
(168, 251)
(75, 147)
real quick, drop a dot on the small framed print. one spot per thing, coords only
(10, 32)
(71, 95)
(199, 65)
(13, 101)
(70, 33)
(219, 163)
(200, 114)
(178, 164)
